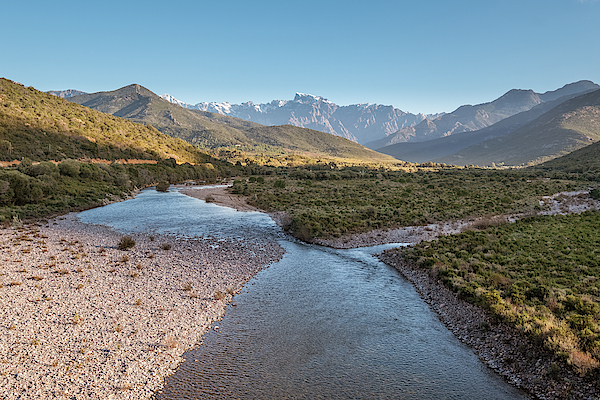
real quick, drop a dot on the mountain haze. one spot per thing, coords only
(445, 146)
(569, 126)
(66, 93)
(471, 118)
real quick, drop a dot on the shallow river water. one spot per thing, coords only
(319, 324)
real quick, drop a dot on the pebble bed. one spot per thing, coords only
(81, 319)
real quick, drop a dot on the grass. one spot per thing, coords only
(540, 274)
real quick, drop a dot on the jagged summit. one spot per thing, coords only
(304, 98)
(358, 122)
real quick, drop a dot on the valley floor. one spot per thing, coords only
(501, 347)
(81, 319)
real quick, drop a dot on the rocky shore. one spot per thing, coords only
(501, 347)
(81, 319)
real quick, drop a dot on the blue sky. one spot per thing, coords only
(420, 56)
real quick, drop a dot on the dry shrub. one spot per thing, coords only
(166, 246)
(489, 220)
(187, 286)
(583, 362)
(220, 295)
(170, 342)
(126, 243)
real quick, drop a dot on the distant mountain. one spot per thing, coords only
(359, 122)
(66, 93)
(210, 130)
(445, 146)
(570, 126)
(471, 118)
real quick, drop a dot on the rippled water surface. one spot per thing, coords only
(319, 324)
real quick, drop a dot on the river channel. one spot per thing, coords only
(319, 324)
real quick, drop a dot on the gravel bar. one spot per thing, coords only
(81, 319)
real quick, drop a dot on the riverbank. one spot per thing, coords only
(81, 319)
(217, 194)
(503, 348)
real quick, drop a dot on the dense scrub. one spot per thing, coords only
(540, 274)
(47, 187)
(329, 202)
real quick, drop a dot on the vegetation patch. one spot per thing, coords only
(540, 274)
(327, 201)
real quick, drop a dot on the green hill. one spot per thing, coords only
(584, 162)
(570, 126)
(212, 131)
(41, 126)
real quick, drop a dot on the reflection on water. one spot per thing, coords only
(321, 323)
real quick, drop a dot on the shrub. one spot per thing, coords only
(163, 187)
(69, 168)
(165, 246)
(126, 243)
(219, 295)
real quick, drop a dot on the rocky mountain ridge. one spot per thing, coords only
(358, 122)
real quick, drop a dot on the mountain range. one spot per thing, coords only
(445, 146)
(471, 118)
(358, 122)
(521, 127)
(210, 130)
(571, 125)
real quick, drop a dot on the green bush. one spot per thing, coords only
(69, 167)
(163, 186)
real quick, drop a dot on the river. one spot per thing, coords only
(319, 324)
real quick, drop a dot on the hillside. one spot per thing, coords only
(470, 118)
(445, 146)
(583, 162)
(209, 130)
(570, 126)
(41, 126)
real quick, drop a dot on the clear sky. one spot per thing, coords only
(420, 56)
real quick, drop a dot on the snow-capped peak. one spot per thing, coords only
(173, 100)
(304, 98)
